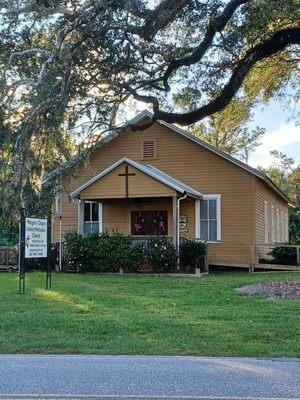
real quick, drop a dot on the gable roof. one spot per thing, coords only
(147, 114)
(147, 169)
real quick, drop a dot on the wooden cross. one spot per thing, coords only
(127, 174)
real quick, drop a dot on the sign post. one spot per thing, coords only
(22, 253)
(48, 272)
(35, 242)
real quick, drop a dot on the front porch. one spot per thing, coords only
(138, 200)
(140, 218)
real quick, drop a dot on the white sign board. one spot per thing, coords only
(35, 238)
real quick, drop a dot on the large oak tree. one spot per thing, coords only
(69, 66)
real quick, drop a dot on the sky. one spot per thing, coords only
(282, 133)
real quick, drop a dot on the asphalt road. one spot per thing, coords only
(143, 377)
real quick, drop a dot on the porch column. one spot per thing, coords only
(175, 223)
(81, 216)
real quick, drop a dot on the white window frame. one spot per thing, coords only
(216, 197)
(100, 215)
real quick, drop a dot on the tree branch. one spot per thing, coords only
(279, 41)
(159, 18)
(217, 24)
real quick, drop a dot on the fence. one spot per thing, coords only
(9, 258)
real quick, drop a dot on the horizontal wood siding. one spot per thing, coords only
(193, 165)
(112, 186)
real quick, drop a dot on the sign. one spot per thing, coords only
(183, 222)
(35, 238)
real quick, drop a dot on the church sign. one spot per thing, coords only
(35, 243)
(35, 238)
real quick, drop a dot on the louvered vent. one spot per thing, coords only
(148, 149)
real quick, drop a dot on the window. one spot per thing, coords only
(273, 223)
(92, 217)
(282, 227)
(266, 222)
(149, 149)
(286, 230)
(208, 218)
(277, 226)
(58, 203)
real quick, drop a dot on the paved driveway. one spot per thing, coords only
(143, 377)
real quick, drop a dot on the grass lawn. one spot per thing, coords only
(146, 315)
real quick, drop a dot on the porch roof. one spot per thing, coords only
(153, 172)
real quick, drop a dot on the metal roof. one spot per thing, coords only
(147, 169)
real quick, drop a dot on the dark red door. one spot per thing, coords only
(149, 222)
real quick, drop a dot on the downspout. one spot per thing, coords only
(78, 202)
(177, 222)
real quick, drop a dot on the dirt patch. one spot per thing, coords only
(274, 290)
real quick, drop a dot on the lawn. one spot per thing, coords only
(110, 314)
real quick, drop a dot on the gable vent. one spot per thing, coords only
(149, 149)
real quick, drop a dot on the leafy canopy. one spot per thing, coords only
(72, 66)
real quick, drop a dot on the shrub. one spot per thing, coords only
(160, 254)
(284, 255)
(104, 253)
(8, 238)
(192, 254)
(77, 256)
(118, 251)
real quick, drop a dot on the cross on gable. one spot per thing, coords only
(127, 174)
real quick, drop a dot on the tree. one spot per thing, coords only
(71, 65)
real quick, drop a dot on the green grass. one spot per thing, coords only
(110, 314)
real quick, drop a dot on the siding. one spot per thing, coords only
(191, 164)
(113, 186)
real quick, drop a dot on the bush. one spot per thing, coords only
(76, 252)
(8, 238)
(192, 254)
(104, 253)
(118, 251)
(284, 255)
(160, 254)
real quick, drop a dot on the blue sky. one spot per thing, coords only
(282, 133)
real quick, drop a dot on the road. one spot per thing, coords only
(147, 377)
